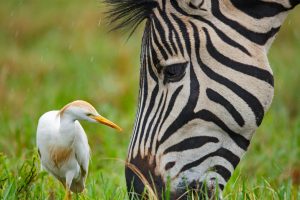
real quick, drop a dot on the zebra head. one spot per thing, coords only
(205, 85)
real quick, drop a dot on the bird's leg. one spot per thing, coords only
(69, 179)
(68, 195)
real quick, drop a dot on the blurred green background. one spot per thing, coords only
(53, 52)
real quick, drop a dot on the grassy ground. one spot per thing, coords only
(53, 52)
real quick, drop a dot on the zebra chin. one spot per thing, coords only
(140, 174)
(199, 190)
(193, 190)
(144, 183)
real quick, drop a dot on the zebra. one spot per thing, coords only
(205, 86)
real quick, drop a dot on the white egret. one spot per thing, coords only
(63, 146)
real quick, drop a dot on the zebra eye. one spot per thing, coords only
(174, 72)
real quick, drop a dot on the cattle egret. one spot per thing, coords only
(63, 146)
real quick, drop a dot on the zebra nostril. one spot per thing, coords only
(192, 6)
(196, 5)
(169, 165)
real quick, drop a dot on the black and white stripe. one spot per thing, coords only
(205, 85)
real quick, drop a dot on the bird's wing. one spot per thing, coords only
(46, 133)
(82, 155)
(82, 149)
(83, 170)
(47, 129)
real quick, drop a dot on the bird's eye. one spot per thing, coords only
(89, 114)
(174, 72)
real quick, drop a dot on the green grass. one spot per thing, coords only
(53, 52)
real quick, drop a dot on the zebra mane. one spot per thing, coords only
(128, 14)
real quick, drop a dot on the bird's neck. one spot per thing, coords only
(67, 125)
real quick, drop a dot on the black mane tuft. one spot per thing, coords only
(128, 14)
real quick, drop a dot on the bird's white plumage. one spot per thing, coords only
(63, 145)
(53, 134)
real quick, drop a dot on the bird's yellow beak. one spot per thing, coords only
(106, 122)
